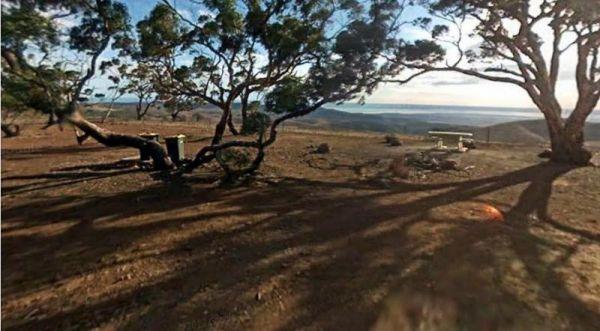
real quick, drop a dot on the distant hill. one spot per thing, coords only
(534, 131)
(389, 123)
(526, 132)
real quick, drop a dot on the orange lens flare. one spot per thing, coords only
(492, 213)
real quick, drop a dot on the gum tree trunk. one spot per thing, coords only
(231, 125)
(567, 147)
(567, 140)
(244, 110)
(221, 125)
(138, 110)
(108, 138)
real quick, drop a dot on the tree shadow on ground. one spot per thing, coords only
(57, 179)
(322, 259)
(30, 153)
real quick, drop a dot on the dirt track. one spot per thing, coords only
(317, 242)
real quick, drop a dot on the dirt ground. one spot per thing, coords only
(315, 242)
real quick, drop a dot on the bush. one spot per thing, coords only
(233, 159)
(323, 148)
(392, 140)
(256, 122)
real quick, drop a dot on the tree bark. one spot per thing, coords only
(138, 110)
(244, 98)
(159, 155)
(568, 148)
(220, 128)
(568, 142)
(231, 125)
(244, 115)
(141, 109)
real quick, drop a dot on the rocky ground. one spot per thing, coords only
(317, 241)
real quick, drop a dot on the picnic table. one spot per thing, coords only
(450, 137)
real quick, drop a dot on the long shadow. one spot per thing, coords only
(68, 259)
(330, 263)
(528, 248)
(58, 179)
(534, 201)
(48, 150)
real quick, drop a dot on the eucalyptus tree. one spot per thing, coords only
(139, 83)
(39, 73)
(525, 43)
(177, 104)
(117, 90)
(233, 49)
(300, 55)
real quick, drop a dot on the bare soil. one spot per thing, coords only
(316, 242)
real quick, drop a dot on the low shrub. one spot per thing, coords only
(392, 140)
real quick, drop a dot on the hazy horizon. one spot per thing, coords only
(422, 108)
(436, 113)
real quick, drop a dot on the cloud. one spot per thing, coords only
(440, 79)
(65, 22)
(461, 81)
(185, 13)
(454, 88)
(414, 33)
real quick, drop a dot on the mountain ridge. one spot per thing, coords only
(525, 131)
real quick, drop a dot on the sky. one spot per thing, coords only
(433, 88)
